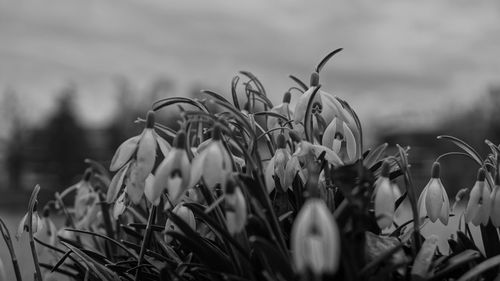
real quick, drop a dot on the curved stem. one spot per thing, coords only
(38, 273)
(8, 241)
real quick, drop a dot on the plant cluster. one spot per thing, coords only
(249, 190)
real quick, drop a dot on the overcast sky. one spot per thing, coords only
(400, 57)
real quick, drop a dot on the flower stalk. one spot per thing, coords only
(31, 208)
(145, 241)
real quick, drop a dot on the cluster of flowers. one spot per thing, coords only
(315, 154)
(483, 203)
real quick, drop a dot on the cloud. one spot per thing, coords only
(397, 52)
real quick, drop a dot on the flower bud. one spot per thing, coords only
(315, 239)
(314, 81)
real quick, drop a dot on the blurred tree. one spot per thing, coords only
(15, 140)
(65, 143)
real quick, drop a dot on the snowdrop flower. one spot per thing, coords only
(328, 106)
(495, 203)
(433, 200)
(384, 198)
(49, 230)
(213, 163)
(478, 207)
(235, 207)
(173, 174)
(306, 151)
(144, 148)
(315, 239)
(185, 214)
(36, 224)
(277, 165)
(339, 137)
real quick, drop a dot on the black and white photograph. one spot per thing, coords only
(263, 140)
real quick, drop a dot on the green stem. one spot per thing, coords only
(107, 222)
(145, 242)
(8, 241)
(38, 273)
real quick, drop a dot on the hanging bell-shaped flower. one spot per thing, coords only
(213, 162)
(433, 200)
(139, 167)
(235, 207)
(173, 174)
(339, 137)
(479, 204)
(384, 198)
(315, 239)
(36, 224)
(277, 165)
(185, 214)
(128, 148)
(495, 203)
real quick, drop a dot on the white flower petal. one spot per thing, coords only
(151, 194)
(384, 203)
(329, 134)
(473, 204)
(434, 200)
(445, 209)
(116, 184)
(124, 153)
(268, 175)
(350, 142)
(146, 154)
(164, 146)
(119, 206)
(495, 206)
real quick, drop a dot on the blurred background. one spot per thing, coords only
(75, 74)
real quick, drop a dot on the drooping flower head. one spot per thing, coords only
(213, 162)
(384, 198)
(137, 157)
(36, 223)
(315, 239)
(277, 165)
(340, 138)
(433, 200)
(495, 203)
(235, 207)
(185, 214)
(173, 174)
(479, 204)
